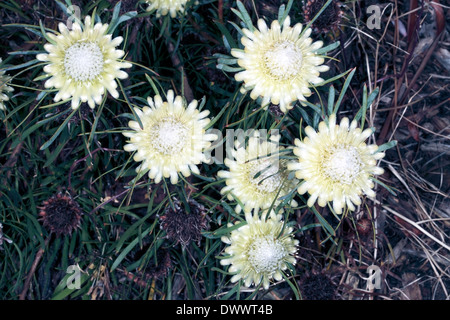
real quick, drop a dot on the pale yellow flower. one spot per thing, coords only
(163, 7)
(172, 139)
(260, 250)
(83, 63)
(336, 164)
(4, 88)
(280, 63)
(257, 175)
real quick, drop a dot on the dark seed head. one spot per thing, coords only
(317, 287)
(162, 265)
(364, 226)
(60, 214)
(182, 224)
(328, 20)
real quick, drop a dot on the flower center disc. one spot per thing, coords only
(343, 164)
(283, 60)
(265, 254)
(169, 136)
(265, 175)
(83, 61)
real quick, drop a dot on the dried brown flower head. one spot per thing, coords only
(364, 226)
(162, 265)
(317, 286)
(60, 214)
(328, 20)
(184, 226)
(267, 8)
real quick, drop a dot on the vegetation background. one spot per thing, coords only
(120, 246)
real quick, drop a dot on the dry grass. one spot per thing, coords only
(413, 109)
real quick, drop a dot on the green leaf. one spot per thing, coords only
(227, 61)
(245, 17)
(384, 185)
(238, 29)
(331, 95)
(362, 111)
(324, 223)
(116, 11)
(152, 84)
(22, 65)
(344, 89)
(44, 34)
(128, 248)
(327, 81)
(226, 36)
(328, 48)
(218, 116)
(62, 291)
(283, 12)
(58, 132)
(387, 146)
(122, 18)
(367, 102)
(227, 68)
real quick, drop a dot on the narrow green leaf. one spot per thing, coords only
(227, 61)
(22, 65)
(227, 68)
(246, 17)
(152, 84)
(344, 90)
(44, 34)
(327, 81)
(331, 96)
(387, 146)
(238, 29)
(226, 34)
(328, 48)
(362, 111)
(58, 132)
(125, 17)
(324, 223)
(128, 248)
(384, 185)
(218, 116)
(282, 14)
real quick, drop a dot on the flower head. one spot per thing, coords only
(83, 63)
(336, 164)
(163, 7)
(4, 88)
(260, 250)
(280, 63)
(328, 20)
(61, 214)
(257, 176)
(317, 286)
(160, 267)
(182, 225)
(172, 138)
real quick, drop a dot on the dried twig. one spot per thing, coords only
(36, 261)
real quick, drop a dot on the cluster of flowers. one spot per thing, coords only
(279, 65)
